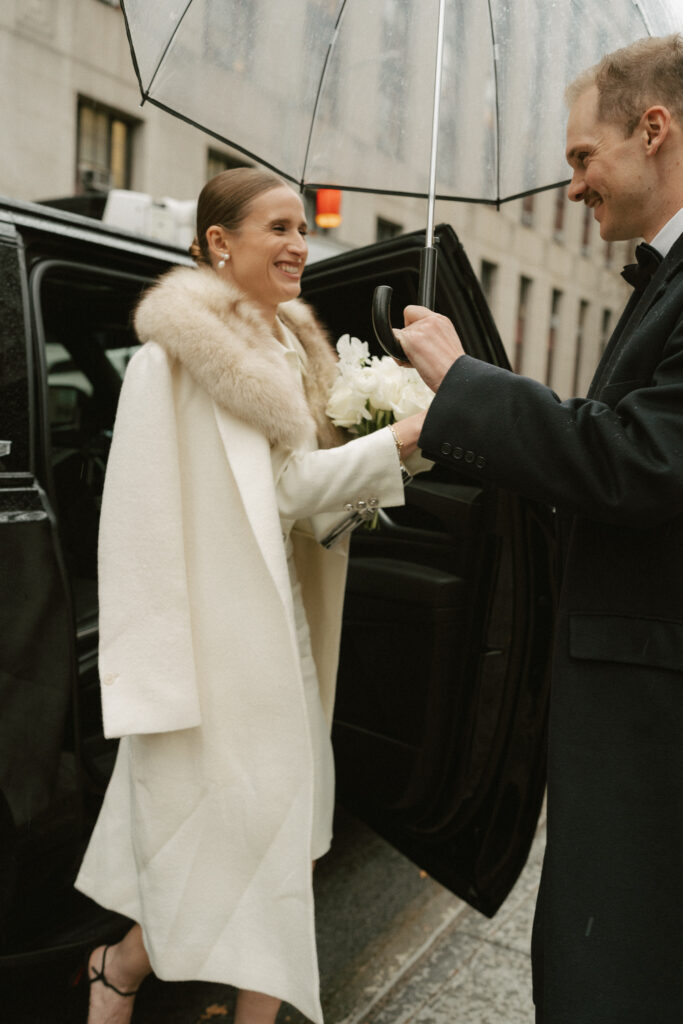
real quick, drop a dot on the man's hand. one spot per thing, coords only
(430, 342)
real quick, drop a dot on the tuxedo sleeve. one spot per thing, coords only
(621, 464)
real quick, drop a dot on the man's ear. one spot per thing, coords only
(654, 125)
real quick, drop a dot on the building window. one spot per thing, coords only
(528, 211)
(386, 229)
(104, 147)
(487, 279)
(217, 162)
(553, 328)
(609, 254)
(605, 327)
(520, 327)
(578, 351)
(560, 207)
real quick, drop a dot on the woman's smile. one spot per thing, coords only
(268, 251)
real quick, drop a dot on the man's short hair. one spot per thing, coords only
(642, 75)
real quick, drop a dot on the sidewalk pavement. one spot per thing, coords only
(397, 948)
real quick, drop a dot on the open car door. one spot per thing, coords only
(441, 715)
(38, 790)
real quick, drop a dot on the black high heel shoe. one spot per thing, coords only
(79, 988)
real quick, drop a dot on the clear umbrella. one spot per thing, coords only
(446, 99)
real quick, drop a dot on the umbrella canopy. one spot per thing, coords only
(340, 92)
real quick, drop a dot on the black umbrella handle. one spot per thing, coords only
(381, 304)
(381, 321)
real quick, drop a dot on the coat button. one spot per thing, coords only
(481, 462)
(446, 448)
(458, 453)
(109, 678)
(469, 456)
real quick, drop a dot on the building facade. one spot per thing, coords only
(73, 124)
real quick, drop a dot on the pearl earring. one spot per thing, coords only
(224, 256)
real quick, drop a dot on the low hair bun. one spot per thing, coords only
(196, 252)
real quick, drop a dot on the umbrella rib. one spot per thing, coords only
(495, 95)
(340, 13)
(166, 49)
(132, 50)
(643, 15)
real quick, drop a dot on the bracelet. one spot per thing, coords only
(397, 440)
(406, 476)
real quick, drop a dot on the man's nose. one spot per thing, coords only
(576, 188)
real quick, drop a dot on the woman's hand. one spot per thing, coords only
(408, 431)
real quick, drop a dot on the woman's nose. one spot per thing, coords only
(298, 244)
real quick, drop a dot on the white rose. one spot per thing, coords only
(389, 383)
(415, 396)
(345, 406)
(362, 379)
(352, 351)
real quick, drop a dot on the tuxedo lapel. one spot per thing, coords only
(606, 358)
(637, 307)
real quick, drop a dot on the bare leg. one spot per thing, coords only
(126, 966)
(255, 1008)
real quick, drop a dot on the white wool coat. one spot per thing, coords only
(204, 837)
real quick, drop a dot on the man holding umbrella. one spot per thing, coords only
(607, 945)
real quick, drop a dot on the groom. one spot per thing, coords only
(607, 945)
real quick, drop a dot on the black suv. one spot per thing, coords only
(441, 713)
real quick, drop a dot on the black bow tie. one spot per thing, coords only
(639, 274)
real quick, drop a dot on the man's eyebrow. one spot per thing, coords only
(571, 154)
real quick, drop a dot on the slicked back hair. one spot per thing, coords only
(226, 200)
(649, 72)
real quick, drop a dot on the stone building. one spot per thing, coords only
(73, 124)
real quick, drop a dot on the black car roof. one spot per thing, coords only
(39, 217)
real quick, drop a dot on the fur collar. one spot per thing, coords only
(220, 337)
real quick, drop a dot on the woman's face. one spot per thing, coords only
(268, 251)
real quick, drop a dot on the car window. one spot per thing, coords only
(86, 341)
(14, 378)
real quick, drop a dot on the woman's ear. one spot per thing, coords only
(217, 241)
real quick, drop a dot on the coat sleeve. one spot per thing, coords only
(326, 479)
(146, 659)
(620, 464)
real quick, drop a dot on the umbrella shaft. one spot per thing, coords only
(426, 289)
(435, 123)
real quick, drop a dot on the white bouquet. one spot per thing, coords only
(368, 394)
(372, 392)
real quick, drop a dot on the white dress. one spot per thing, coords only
(323, 759)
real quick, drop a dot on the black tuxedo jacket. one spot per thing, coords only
(608, 934)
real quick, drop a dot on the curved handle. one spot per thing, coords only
(381, 321)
